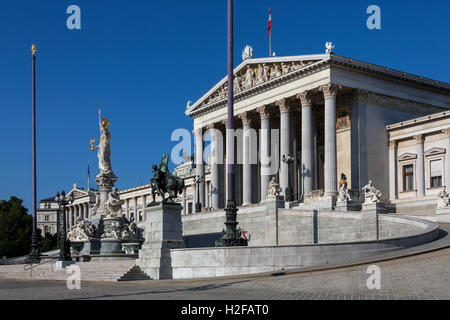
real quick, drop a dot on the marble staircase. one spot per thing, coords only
(102, 271)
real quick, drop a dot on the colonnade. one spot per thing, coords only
(288, 115)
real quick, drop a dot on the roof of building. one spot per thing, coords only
(313, 62)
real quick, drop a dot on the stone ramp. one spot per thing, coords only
(107, 271)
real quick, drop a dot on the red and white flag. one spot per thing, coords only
(269, 25)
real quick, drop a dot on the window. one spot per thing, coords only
(436, 173)
(189, 207)
(47, 218)
(408, 177)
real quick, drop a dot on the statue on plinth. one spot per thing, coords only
(164, 182)
(274, 188)
(114, 204)
(443, 199)
(344, 195)
(371, 194)
(81, 231)
(104, 151)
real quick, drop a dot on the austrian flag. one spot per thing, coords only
(269, 25)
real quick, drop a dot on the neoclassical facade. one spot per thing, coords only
(331, 113)
(419, 162)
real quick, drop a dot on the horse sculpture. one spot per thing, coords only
(164, 182)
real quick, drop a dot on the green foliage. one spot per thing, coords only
(49, 243)
(15, 228)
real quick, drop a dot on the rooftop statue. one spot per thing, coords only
(104, 152)
(329, 47)
(164, 182)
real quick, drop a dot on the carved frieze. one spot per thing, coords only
(253, 75)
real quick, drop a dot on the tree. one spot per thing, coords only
(49, 242)
(15, 228)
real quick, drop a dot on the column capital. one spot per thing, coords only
(330, 90)
(419, 138)
(305, 98)
(446, 132)
(283, 105)
(392, 144)
(215, 125)
(264, 112)
(198, 131)
(245, 117)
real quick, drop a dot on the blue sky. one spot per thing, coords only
(140, 61)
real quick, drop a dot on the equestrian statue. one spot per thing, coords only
(164, 182)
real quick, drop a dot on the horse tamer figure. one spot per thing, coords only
(164, 182)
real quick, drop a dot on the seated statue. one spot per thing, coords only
(443, 199)
(96, 205)
(81, 231)
(371, 194)
(114, 204)
(343, 189)
(274, 188)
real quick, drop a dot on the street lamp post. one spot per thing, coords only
(198, 206)
(231, 236)
(64, 244)
(289, 159)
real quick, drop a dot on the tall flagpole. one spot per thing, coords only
(232, 235)
(269, 29)
(34, 255)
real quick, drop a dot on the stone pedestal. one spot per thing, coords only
(443, 215)
(163, 232)
(272, 203)
(369, 220)
(346, 206)
(79, 248)
(97, 222)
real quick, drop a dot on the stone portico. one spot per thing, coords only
(330, 113)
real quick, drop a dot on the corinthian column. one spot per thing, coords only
(285, 143)
(447, 159)
(199, 164)
(307, 166)
(330, 91)
(420, 165)
(265, 153)
(392, 170)
(247, 162)
(215, 163)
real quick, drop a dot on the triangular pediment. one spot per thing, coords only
(78, 193)
(255, 73)
(407, 156)
(434, 151)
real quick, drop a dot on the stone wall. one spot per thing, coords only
(269, 227)
(250, 218)
(215, 262)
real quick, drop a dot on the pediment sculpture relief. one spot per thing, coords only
(253, 75)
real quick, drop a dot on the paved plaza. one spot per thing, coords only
(424, 276)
